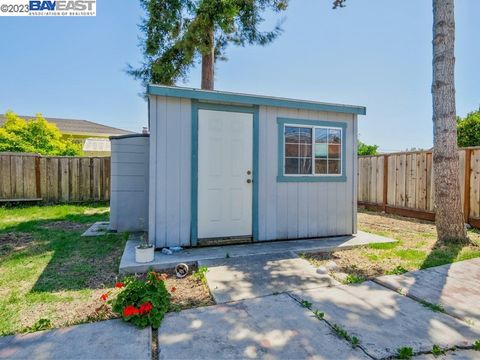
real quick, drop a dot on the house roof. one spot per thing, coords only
(249, 99)
(78, 127)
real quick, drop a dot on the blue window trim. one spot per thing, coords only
(313, 178)
(196, 105)
(248, 99)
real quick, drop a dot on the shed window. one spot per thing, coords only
(312, 150)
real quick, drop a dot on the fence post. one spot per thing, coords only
(385, 182)
(466, 187)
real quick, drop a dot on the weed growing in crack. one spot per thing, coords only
(404, 352)
(318, 314)
(343, 334)
(306, 304)
(433, 307)
(476, 345)
(437, 350)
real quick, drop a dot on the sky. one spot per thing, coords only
(373, 53)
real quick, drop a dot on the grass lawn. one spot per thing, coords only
(50, 276)
(414, 249)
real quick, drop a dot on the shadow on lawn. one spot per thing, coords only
(75, 262)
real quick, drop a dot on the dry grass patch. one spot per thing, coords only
(415, 248)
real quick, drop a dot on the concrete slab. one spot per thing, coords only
(249, 277)
(111, 339)
(98, 229)
(452, 355)
(272, 327)
(454, 286)
(384, 320)
(192, 255)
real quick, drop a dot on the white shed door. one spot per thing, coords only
(225, 156)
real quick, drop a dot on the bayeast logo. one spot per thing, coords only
(62, 5)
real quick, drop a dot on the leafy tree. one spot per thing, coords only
(178, 33)
(364, 149)
(34, 136)
(468, 129)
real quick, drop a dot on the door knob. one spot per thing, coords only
(249, 181)
(249, 172)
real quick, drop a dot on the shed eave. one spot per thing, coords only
(248, 99)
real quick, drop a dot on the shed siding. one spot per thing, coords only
(289, 210)
(286, 210)
(129, 184)
(170, 171)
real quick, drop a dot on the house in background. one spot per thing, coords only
(93, 137)
(220, 167)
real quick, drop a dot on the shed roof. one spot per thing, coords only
(249, 99)
(78, 127)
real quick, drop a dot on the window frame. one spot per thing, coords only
(282, 123)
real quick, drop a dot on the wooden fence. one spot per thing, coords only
(401, 183)
(31, 177)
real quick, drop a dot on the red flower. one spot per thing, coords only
(104, 297)
(119, 285)
(145, 308)
(173, 289)
(129, 310)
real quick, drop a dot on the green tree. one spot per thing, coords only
(468, 129)
(34, 136)
(364, 149)
(179, 33)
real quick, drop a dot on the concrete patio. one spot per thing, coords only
(193, 255)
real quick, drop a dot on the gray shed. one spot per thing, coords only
(227, 167)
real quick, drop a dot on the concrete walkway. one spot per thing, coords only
(249, 277)
(279, 327)
(111, 339)
(455, 287)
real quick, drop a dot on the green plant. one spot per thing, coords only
(306, 304)
(404, 352)
(476, 345)
(353, 279)
(143, 301)
(343, 334)
(200, 274)
(398, 270)
(364, 149)
(355, 341)
(35, 136)
(318, 314)
(431, 306)
(437, 350)
(468, 129)
(39, 325)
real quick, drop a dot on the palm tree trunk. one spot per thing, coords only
(449, 217)
(208, 64)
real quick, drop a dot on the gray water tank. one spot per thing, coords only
(129, 183)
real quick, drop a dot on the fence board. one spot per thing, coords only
(53, 179)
